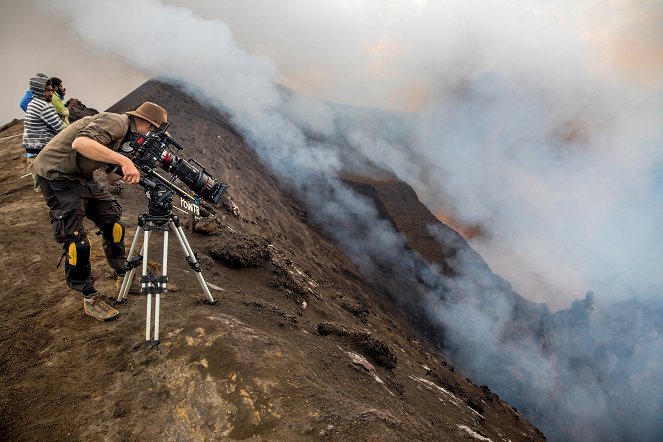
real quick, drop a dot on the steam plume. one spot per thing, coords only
(552, 149)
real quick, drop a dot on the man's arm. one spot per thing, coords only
(98, 152)
(51, 118)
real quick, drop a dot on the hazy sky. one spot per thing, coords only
(33, 41)
(355, 52)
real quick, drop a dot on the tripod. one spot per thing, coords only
(158, 217)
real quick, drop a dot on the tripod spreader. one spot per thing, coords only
(133, 262)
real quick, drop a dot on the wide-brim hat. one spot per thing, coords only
(151, 112)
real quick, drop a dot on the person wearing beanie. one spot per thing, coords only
(65, 168)
(28, 95)
(41, 121)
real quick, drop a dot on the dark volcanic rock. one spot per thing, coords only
(356, 308)
(207, 226)
(366, 343)
(241, 250)
(78, 110)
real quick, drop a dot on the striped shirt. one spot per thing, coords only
(40, 125)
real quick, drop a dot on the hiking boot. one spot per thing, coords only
(96, 307)
(134, 287)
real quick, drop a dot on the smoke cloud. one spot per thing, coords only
(536, 123)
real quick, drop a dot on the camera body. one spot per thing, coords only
(153, 150)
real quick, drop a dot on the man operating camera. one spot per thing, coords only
(65, 167)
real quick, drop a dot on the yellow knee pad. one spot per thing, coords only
(117, 232)
(78, 253)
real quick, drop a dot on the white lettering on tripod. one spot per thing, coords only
(190, 207)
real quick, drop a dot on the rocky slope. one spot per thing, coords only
(300, 346)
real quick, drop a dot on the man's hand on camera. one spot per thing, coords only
(130, 174)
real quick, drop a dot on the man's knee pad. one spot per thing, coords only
(78, 252)
(77, 265)
(114, 233)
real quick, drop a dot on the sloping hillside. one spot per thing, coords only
(300, 345)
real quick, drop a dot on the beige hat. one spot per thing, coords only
(151, 112)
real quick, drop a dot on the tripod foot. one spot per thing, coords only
(152, 343)
(207, 301)
(116, 302)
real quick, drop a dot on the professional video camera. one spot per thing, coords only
(154, 149)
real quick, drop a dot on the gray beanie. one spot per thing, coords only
(38, 84)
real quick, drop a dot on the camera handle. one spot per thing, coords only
(193, 160)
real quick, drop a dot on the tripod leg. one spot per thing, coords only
(191, 258)
(161, 288)
(130, 275)
(164, 265)
(144, 287)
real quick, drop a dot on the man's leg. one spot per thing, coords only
(104, 210)
(67, 201)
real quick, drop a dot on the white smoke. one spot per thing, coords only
(540, 123)
(525, 131)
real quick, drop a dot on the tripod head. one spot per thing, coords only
(160, 197)
(155, 186)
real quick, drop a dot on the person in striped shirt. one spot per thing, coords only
(41, 122)
(28, 95)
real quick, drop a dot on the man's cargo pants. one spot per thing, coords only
(69, 203)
